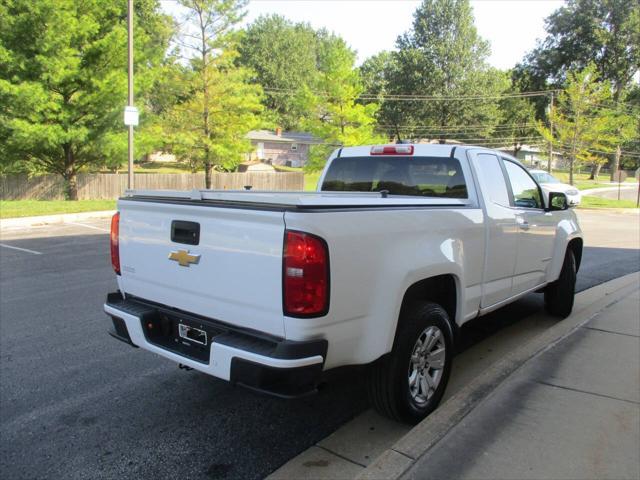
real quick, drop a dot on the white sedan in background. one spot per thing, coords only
(549, 183)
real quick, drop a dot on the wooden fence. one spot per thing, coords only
(96, 186)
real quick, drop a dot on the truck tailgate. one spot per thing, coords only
(237, 277)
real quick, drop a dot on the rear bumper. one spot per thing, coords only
(279, 367)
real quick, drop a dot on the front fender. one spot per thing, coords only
(567, 230)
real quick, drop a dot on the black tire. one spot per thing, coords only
(388, 377)
(559, 295)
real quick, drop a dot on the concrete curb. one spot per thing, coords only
(396, 460)
(48, 219)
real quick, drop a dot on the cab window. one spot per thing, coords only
(414, 176)
(526, 193)
(492, 179)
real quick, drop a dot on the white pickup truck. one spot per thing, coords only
(399, 247)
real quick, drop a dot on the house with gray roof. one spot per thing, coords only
(277, 147)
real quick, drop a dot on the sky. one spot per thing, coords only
(371, 26)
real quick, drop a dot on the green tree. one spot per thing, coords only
(331, 103)
(581, 126)
(603, 32)
(622, 128)
(517, 126)
(381, 76)
(443, 57)
(630, 157)
(210, 125)
(283, 55)
(517, 123)
(63, 79)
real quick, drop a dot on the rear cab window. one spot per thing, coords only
(399, 175)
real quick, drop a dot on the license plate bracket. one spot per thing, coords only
(192, 334)
(181, 334)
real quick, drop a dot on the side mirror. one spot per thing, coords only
(558, 201)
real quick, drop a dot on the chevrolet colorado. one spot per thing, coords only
(399, 246)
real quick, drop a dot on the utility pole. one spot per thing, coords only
(130, 99)
(551, 131)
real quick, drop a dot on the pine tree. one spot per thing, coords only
(63, 80)
(333, 111)
(209, 127)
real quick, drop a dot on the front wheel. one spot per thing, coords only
(559, 295)
(408, 384)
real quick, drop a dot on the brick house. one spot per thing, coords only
(289, 149)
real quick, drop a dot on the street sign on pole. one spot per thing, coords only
(620, 177)
(131, 116)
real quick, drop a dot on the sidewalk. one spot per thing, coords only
(21, 222)
(573, 411)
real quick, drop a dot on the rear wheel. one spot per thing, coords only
(559, 295)
(408, 384)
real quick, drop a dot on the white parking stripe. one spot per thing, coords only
(21, 249)
(87, 226)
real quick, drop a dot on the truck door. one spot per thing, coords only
(536, 229)
(501, 230)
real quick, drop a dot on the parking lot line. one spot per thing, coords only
(21, 249)
(87, 226)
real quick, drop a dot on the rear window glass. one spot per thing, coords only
(414, 176)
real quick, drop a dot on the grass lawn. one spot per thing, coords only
(598, 202)
(581, 180)
(29, 208)
(310, 179)
(162, 167)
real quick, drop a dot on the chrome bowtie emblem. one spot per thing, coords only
(184, 258)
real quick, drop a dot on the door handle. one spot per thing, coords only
(523, 224)
(185, 232)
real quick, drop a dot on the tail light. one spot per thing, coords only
(115, 242)
(392, 150)
(306, 275)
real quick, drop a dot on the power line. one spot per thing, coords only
(418, 97)
(486, 138)
(593, 150)
(452, 127)
(434, 98)
(480, 131)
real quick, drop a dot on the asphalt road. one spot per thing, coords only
(75, 403)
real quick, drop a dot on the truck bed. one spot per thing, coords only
(287, 200)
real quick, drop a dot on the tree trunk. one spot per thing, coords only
(70, 174)
(516, 148)
(616, 164)
(208, 167)
(205, 93)
(595, 171)
(71, 185)
(571, 160)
